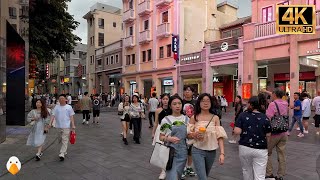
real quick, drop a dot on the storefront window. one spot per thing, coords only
(3, 89)
(262, 84)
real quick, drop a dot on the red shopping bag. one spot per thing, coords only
(232, 125)
(72, 137)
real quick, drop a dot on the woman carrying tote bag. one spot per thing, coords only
(174, 133)
(40, 118)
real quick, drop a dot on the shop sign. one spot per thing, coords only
(315, 51)
(133, 82)
(215, 79)
(224, 46)
(190, 58)
(66, 80)
(175, 43)
(167, 82)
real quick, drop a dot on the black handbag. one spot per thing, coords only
(279, 123)
(170, 160)
(120, 113)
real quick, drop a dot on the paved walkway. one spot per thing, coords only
(100, 154)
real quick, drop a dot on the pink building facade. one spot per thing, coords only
(270, 60)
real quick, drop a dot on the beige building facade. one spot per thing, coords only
(104, 27)
(149, 25)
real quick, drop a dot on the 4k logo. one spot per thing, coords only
(296, 19)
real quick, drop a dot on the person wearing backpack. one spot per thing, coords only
(277, 140)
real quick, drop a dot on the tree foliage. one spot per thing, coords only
(50, 29)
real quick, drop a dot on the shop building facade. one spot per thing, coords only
(225, 61)
(109, 68)
(290, 62)
(149, 28)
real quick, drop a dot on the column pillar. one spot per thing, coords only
(317, 74)
(207, 72)
(177, 80)
(294, 66)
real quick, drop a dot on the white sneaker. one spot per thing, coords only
(131, 132)
(300, 135)
(83, 121)
(306, 132)
(162, 175)
(298, 129)
(232, 141)
(87, 122)
(317, 133)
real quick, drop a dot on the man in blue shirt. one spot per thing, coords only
(297, 114)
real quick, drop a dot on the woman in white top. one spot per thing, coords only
(204, 128)
(136, 111)
(39, 118)
(306, 111)
(125, 117)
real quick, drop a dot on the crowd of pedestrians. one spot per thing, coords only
(191, 127)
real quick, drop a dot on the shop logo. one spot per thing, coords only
(224, 46)
(295, 19)
(13, 165)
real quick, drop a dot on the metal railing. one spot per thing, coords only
(265, 29)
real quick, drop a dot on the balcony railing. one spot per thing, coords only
(162, 2)
(145, 37)
(128, 16)
(318, 18)
(265, 29)
(222, 45)
(144, 8)
(128, 42)
(163, 30)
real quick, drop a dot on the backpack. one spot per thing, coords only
(279, 123)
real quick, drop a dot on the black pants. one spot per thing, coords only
(136, 128)
(130, 124)
(86, 115)
(152, 114)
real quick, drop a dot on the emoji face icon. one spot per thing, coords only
(13, 165)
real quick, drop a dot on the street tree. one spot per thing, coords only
(50, 29)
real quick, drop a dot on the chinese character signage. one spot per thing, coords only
(246, 90)
(175, 43)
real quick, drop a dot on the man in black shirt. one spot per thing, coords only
(188, 109)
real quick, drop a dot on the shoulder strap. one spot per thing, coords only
(169, 121)
(210, 121)
(185, 120)
(277, 107)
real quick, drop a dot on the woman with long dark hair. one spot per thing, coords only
(263, 103)
(204, 127)
(174, 134)
(125, 117)
(254, 129)
(160, 113)
(135, 111)
(238, 108)
(39, 118)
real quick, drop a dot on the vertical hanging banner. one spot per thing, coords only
(175, 47)
(47, 71)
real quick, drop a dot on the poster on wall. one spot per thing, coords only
(246, 90)
(301, 86)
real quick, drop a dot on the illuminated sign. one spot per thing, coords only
(175, 43)
(190, 58)
(47, 71)
(167, 82)
(224, 46)
(215, 79)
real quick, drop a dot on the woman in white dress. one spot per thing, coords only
(39, 118)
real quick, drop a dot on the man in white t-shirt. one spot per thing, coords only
(63, 116)
(153, 105)
(316, 104)
(69, 98)
(306, 111)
